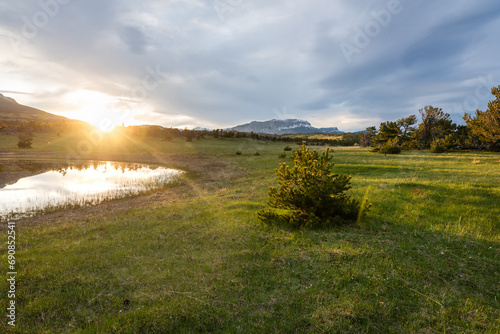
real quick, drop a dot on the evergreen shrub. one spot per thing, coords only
(310, 194)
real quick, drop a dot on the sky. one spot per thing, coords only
(220, 63)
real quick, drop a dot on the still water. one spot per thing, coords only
(79, 186)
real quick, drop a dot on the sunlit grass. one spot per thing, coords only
(424, 260)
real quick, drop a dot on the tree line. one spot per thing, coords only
(437, 132)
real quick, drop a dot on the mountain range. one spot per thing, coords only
(283, 126)
(12, 112)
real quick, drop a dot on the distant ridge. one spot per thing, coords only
(12, 112)
(283, 126)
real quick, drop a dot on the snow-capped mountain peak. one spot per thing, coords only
(282, 126)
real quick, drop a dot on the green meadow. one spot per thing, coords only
(193, 257)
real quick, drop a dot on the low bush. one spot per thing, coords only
(390, 147)
(25, 140)
(310, 194)
(438, 146)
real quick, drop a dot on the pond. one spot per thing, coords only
(80, 185)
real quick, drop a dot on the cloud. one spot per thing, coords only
(134, 38)
(236, 63)
(13, 92)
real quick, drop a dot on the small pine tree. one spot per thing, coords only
(441, 145)
(387, 140)
(390, 147)
(189, 136)
(25, 140)
(437, 146)
(310, 194)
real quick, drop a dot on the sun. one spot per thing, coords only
(104, 120)
(106, 128)
(95, 108)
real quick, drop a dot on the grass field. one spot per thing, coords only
(193, 258)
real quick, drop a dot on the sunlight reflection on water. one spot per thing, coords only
(74, 186)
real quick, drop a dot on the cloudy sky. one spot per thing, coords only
(219, 63)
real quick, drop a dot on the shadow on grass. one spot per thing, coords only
(383, 278)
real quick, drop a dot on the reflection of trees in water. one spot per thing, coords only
(85, 183)
(97, 165)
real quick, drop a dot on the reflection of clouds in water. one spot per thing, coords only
(81, 185)
(45, 182)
